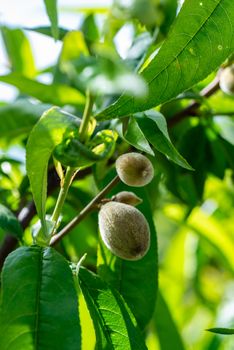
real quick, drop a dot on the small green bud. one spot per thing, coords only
(134, 169)
(124, 230)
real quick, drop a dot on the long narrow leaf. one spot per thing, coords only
(51, 9)
(45, 136)
(115, 326)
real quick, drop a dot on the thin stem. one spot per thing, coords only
(70, 173)
(63, 193)
(55, 239)
(86, 116)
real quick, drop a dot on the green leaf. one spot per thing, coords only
(71, 152)
(209, 229)
(114, 325)
(135, 280)
(9, 222)
(38, 302)
(90, 29)
(51, 9)
(45, 136)
(73, 46)
(221, 330)
(154, 127)
(169, 8)
(212, 231)
(19, 51)
(194, 48)
(134, 135)
(47, 31)
(17, 118)
(57, 94)
(225, 127)
(168, 334)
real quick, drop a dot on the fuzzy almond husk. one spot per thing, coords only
(134, 169)
(124, 230)
(127, 198)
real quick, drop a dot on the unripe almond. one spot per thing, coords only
(134, 169)
(127, 198)
(124, 230)
(227, 80)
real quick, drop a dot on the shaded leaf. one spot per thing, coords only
(38, 302)
(47, 31)
(114, 325)
(9, 222)
(168, 334)
(194, 48)
(221, 330)
(134, 135)
(154, 126)
(90, 29)
(17, 118)
(169, 8)
(45, 136)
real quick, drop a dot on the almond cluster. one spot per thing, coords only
(123, 228)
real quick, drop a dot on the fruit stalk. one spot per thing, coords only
(56, 238)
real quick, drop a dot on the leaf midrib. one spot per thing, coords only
(189, 41)
(38, 294)
(103, 323)
(175, 58)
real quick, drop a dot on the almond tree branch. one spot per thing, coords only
(89, 207)
(192, 108)
(26, 214)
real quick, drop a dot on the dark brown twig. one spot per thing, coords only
(55, 239)
(192, 108)
(26, 214)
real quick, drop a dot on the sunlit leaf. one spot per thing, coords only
(73, 46)
(71, 152)
(194, 48)
(209, 229)
(19, 51)
(114, 325)
(57, 94)
(45, 136)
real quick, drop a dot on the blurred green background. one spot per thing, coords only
(193, 211)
